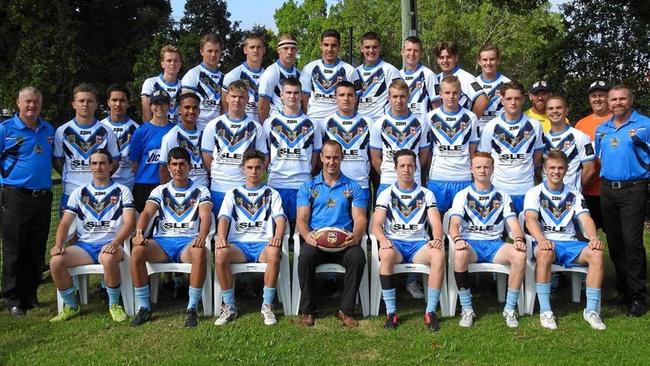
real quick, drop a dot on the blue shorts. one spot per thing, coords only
(93, 250)
(518, 202)
(485, 249)
(288, 202)
(445, 191)
(408, 249)
(217, 200)
(366, 191)
(251, 250)
(566, 252)
(173, 247)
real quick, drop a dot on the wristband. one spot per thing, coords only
(519, 238)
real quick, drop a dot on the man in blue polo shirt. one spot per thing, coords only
(623, 146)
(26, 144)
(330, 200)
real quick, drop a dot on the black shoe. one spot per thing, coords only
(431, 320)
(143, 316)
(637, 309)
(391, 321)
(16, 311)
(192, 319)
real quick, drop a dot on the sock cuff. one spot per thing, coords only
(67, 291)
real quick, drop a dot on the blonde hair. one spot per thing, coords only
(170, 49)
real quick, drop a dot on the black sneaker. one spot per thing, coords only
(431, 320)
(391, 321)
(143, 316)
(192, 319)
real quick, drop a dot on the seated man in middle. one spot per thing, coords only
(330, 200)
(399, 223)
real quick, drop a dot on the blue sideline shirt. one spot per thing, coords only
(145, 149)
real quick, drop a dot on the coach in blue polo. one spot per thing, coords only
(623, 146)
(26, 143)
(330, 200)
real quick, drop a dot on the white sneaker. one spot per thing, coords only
(593, 318)
(547, 320)
(511, 318)
(267, 315)
(466, 318)
(414, 290)
(227, 314)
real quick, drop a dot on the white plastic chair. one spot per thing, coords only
(283, 284)
(501, 270)
(364, 291)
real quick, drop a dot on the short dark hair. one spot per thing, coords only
(333, 143)
(292, 82)
(513, 84)
(252, 154)
(189, 95)
(404, 152)
(210, 38)
(257, 36)
(622, 87)
(450, 46)
(344, 84)
(84, 88)
(118, 88)
(179, 153)
(414, 40)
(371, 36)
(103, 151)
(555, 154)
(489, 47)
(331, 33)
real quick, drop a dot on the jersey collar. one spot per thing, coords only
(320, 180)
(487, 81)
(255, 71)
(511, 122)
(338, 61)
(552, 191)
(410, 72)
(370, 67)
(482, 192)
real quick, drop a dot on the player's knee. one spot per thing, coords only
(544, 257)
(460, 258)
(518, 259)
(596, 258)
(57, 262)
(139, 254)
(387, 255)
(221, 257)
(437, 260)
(109, 260)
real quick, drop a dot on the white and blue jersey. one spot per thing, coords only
(319, 79)
(483, 214)
(391, 134)
(578, 149)
(206, 84)
(75, 143)
(145, 150)
(178, 209)
(251, 213)
(271, 84)
(470, 89)
(227, 140)
(252, 79)
(353, 133)
(99, 211)
(451, 136)
(512, 144)
(292, 140)
(173, 89)
(423, 86)
(492, 91)
(191, 141)
(123, 133)
(406, 212)
(371, 83)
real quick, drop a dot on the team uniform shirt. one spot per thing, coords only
(423, 86)
(371, 83)
(451, 136)
(75, 143)
(406, 212)
(173, 89)
(99, 210)
(483, 214)
(576, 146)
(491, 88)
(227, 140)
(470, 89)
(123, 133)
(292, 141)
(252, 79)
(271, 82)
(512, 145)
(191, 141)
(319, 79)
(557, 210)
(353, 133)
(145, 149)
(588, 126)
(390, 134)
(252, 213)
(178, 208)
(207, 85)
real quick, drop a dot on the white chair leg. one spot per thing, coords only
(126, 285)
(576, 280)
(83, 289)
(217, 298)
(59, 302)
(295, 284)
(154, 284)
(444, 298)
(531, 292)
(501, 287)
(284, 286)
(425, 286)
(452, 294)
(364, 293)
(375, 291)
(206, 297)
(521, 301)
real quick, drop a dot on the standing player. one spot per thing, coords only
(422, 82)
(171, 62)
(104, 216)
(77, 139)
(551, 208)
(373, 78)
(478, 217)
(184, 220)
(515, 143)
(123, 127)
(490, 79)
(472, 97)
(250, 73)
(538, 95)
(572, 142)
(205, 80)
(270, 87)
(251, 229)
(399, 224)
(226, 139)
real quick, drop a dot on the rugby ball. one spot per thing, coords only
(331, 239)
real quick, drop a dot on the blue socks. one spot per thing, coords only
(113, 295)
(466, 299)
(268, 294)
(142, 298)
(390, 300)
(593, 298)
(229, 298)
(544, 296)
(511, 299)
(194, 295)
(433, 297)
(68, 297)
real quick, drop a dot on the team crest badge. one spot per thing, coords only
(501, 136)
(360, 130)
(375, 80)
(99, 139)
(331, 203)
(114, 200)
(339, 79)
(347, 193)
(496, 204)
(331, 238)
(614, 142)
(438, 125)
(545, 203)
(314, 193)
(38, 148)
(568, 205)
(526, 134)
(567, 145)
(183, 144)
(471, 205)
(463, 125)
(326, 84)
(334, 130)
(419, 203)
(418, 85)
(167, 202)
(239, 201)
(394, 202)
(557, 212)
(305, 130)
(50, 140)
(388, 130)
(70, 138)
(85, 200)
(265, 200)
(413, 130)
(192, 202)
